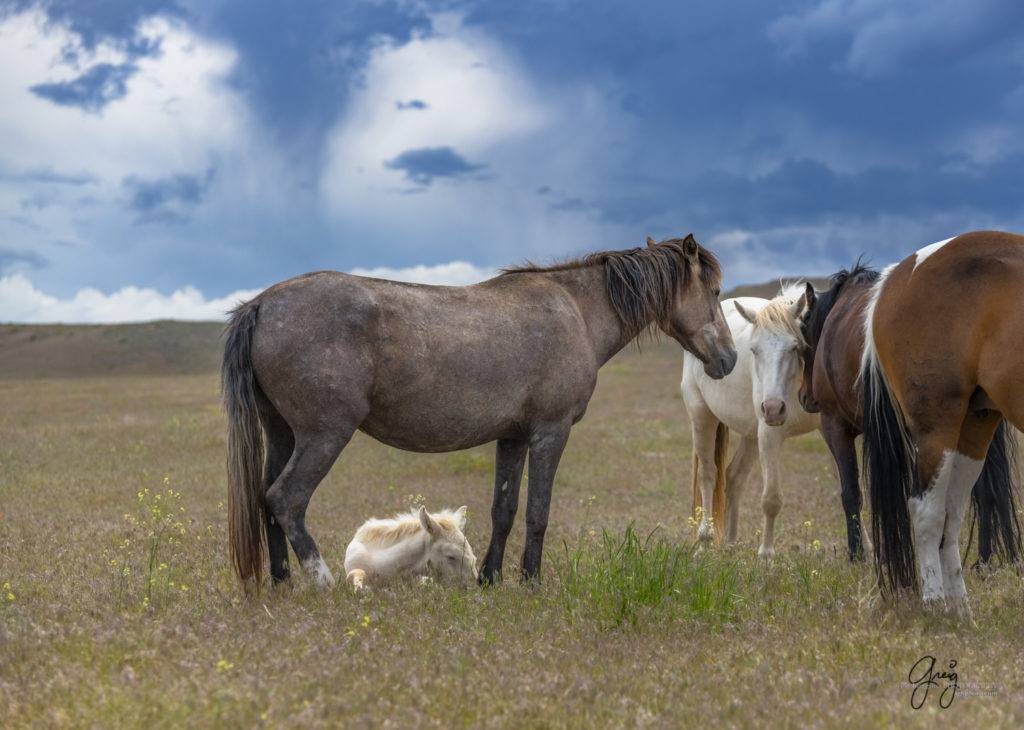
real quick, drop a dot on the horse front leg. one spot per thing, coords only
(705, 473)
(508, 475)
(840, 439)
(769, 442)
(546, 446)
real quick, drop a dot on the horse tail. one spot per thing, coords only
(890, 469)
(994, 502)
(718, 500)
(246, 497)
(718, 497)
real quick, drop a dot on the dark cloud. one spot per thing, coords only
(168, 199)
(421, 166)
(93, 90)
(99, 20)
(11, 258)
(414, 104)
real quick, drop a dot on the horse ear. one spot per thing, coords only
(744, 313)
(651, 241)
(804, 303)
(428, 522)
(690, 247)
(460, 515)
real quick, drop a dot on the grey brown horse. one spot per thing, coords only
(434, 368)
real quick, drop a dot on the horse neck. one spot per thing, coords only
(588, 286)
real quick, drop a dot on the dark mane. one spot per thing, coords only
(860, 275)
(642, 282)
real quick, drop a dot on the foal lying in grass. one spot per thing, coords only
(416, 544)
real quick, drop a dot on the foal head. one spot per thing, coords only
(777, 346)
(448, 554)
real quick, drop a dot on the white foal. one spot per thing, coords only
(414, 544)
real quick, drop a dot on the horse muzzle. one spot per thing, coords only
(718, 367)
(809, 404)
(773, 410)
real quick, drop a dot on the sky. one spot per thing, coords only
(170, 158)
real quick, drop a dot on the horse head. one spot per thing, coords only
(778, 347)
(449, 555)
(696, 320)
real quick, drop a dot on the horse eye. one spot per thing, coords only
(452, 558)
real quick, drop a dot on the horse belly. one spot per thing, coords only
(440, 424)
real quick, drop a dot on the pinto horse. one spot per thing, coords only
(942, 368)
(758, 400)
(834, 331)
(513, 359)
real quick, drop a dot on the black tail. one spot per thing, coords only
(994, 501)
(891, 473)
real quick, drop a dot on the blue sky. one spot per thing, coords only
(164, 159)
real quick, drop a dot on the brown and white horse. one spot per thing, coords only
(943, 365)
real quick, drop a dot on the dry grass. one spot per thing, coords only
(610, 638)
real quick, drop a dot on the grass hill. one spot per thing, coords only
(152, 348)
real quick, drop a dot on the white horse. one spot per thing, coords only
(417, 544)
(758, 400)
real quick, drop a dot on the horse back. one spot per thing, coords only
(426, 368)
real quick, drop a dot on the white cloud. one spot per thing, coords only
(478, 100)
(457, 273)
(21, 302)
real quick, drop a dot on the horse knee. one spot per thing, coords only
(771, 504)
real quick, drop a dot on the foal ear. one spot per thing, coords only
(460, 516)
(428, 522)
(651, 241)
(744, 313)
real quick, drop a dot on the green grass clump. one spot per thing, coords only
(625, 580)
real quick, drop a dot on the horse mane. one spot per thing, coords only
(777, 314)
(642, 282)
(860, 275)
(385, 533)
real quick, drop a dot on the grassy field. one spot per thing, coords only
(118, 608)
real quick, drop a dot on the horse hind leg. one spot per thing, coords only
(736, 477)
(705, 473)
(280, 444)
(288, 497)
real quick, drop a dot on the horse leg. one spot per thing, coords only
(546, 445)
(736, 477)
(968, 463)
(705, 426)
(840, 439)
(508, 475)
(280, 444)
(769, 442)
(289, 496)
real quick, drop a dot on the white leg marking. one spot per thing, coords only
(962, 477)
(927, 251)
(319, 571)
(928, 519)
